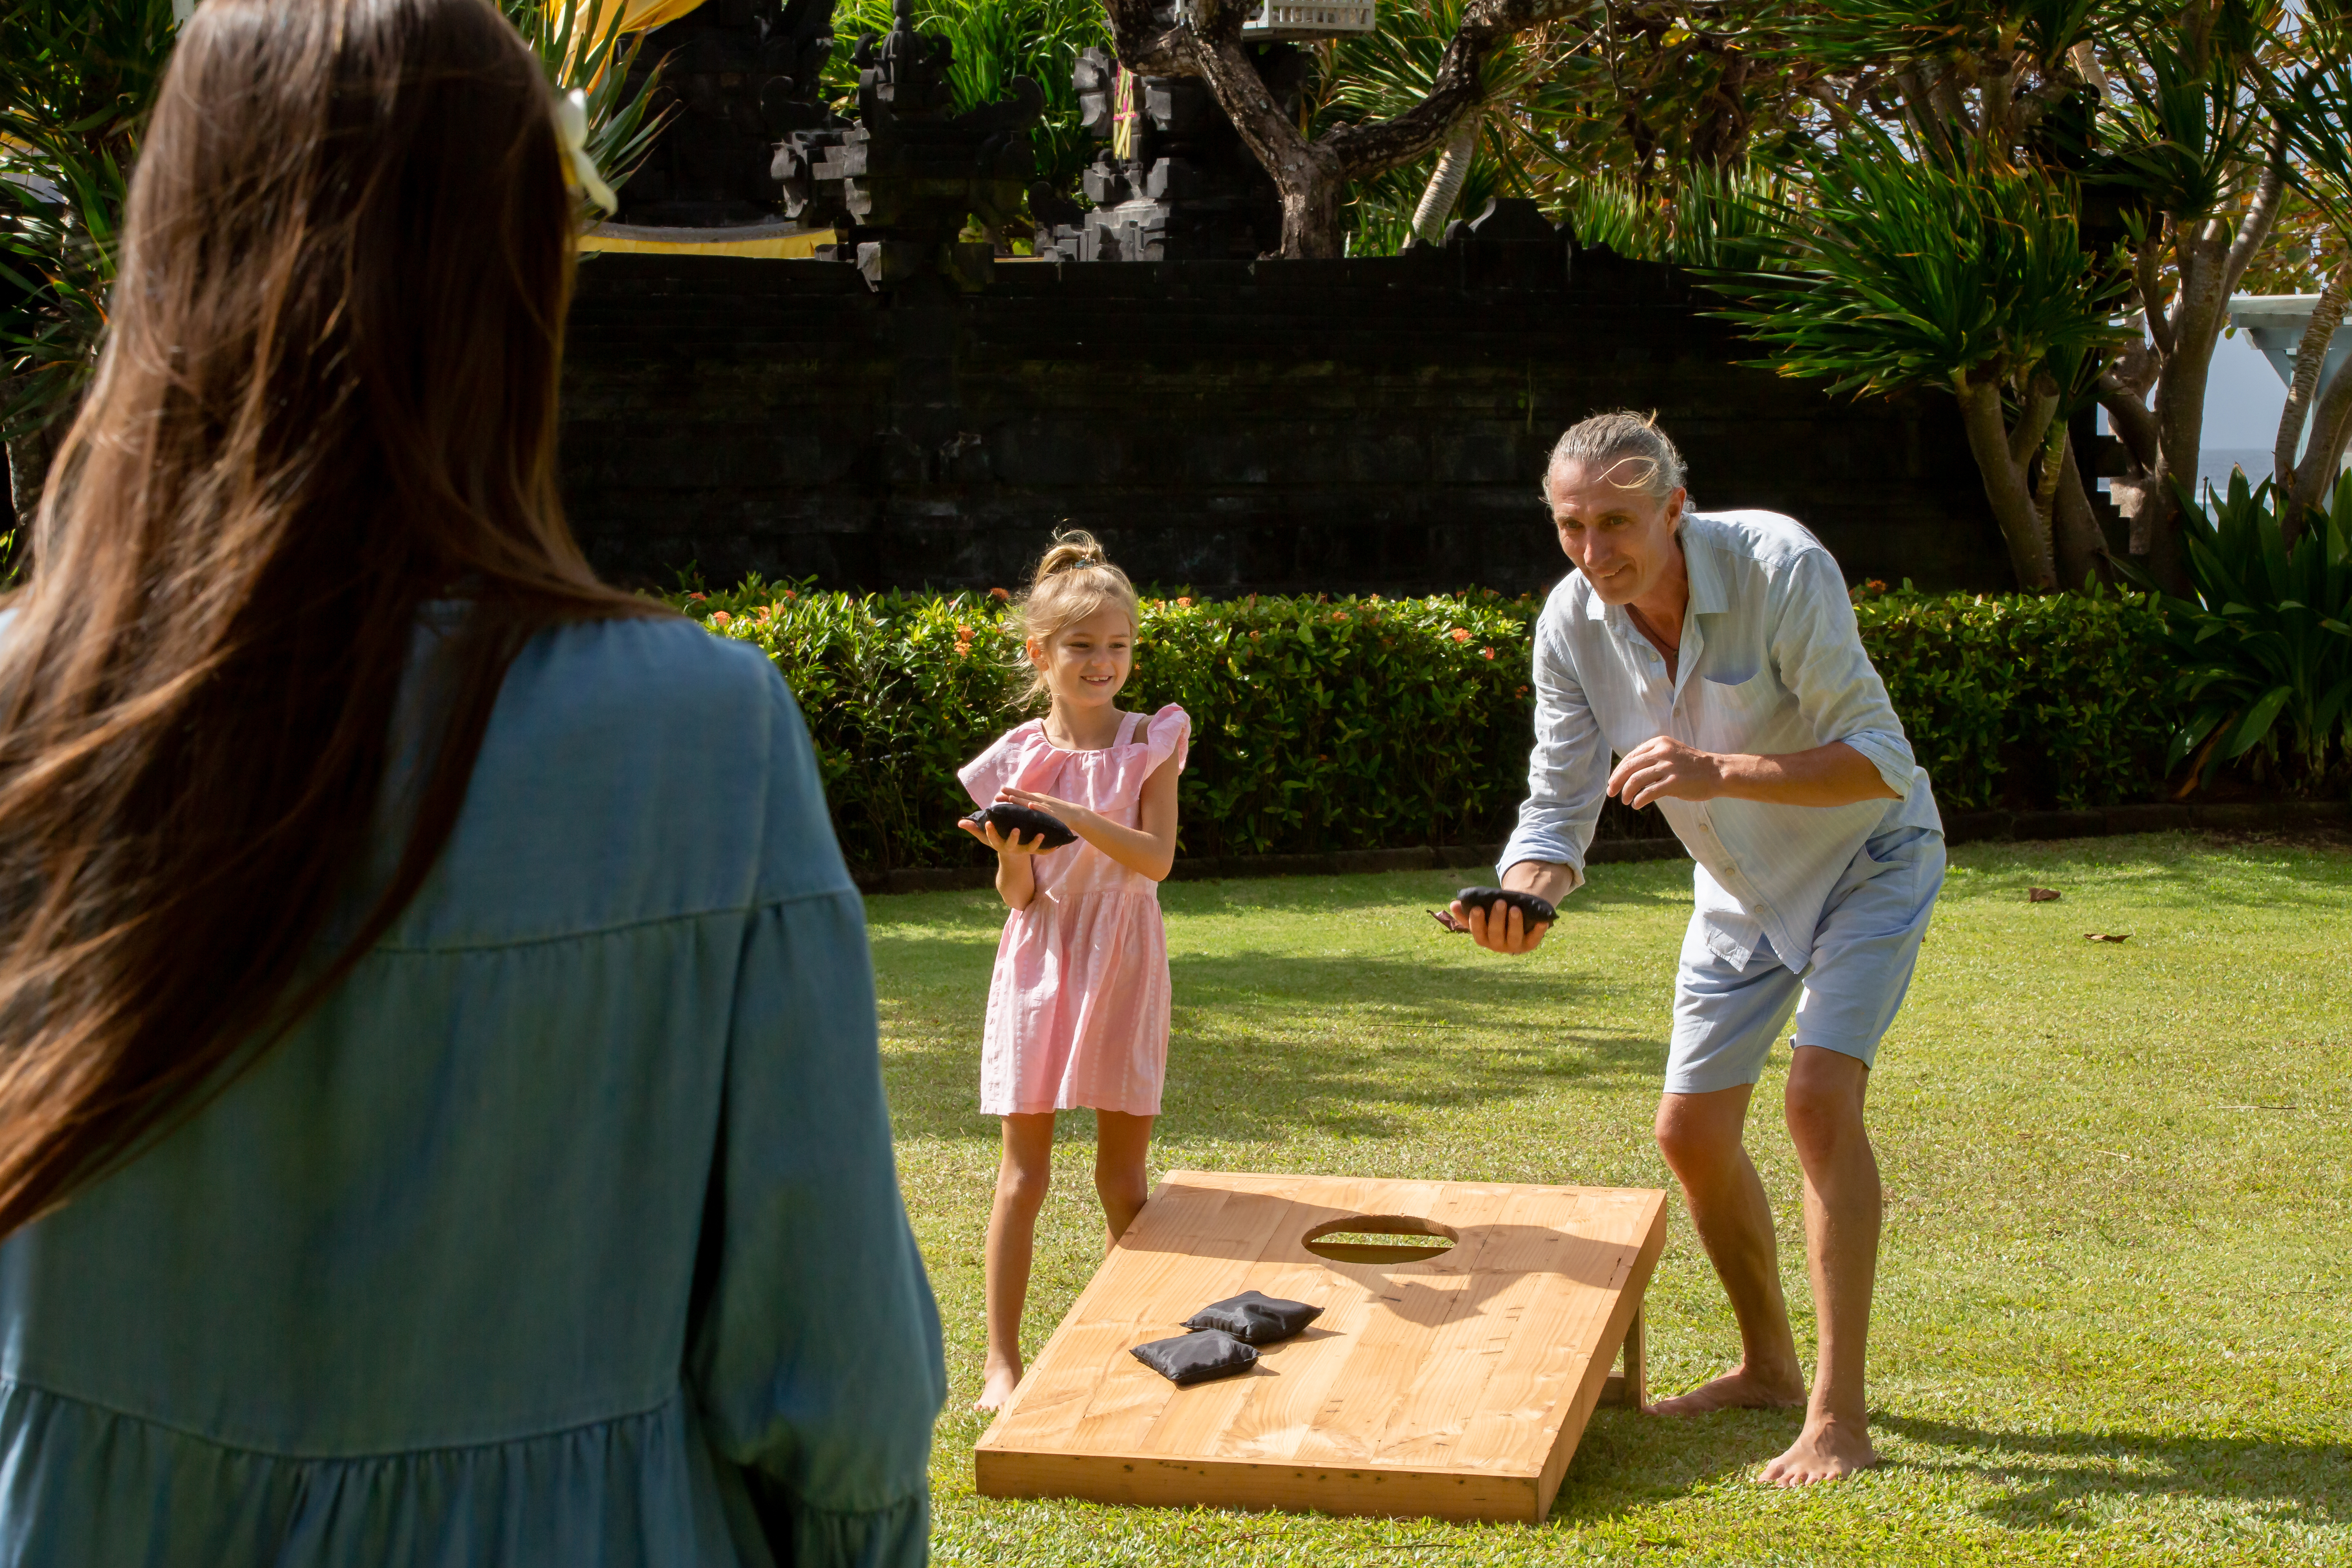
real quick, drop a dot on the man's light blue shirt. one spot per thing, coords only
(1770, 662)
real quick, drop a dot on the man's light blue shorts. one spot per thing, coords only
(1725, 1019)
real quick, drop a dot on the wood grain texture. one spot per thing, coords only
(1455, 1386)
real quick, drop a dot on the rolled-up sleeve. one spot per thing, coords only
(1817, 648)
(816, 1356)
(1567, 770)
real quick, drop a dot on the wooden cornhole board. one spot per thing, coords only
(1452, 1386)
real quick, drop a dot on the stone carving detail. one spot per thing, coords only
(901, 182)
(1173, 182)
(737, 75)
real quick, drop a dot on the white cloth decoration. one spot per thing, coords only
(580, 169)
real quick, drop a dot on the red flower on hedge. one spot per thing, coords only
(720, 618)
(1487, 651)
(1183, 604)
(1338, 614)
(999, 594)
(1458, 635)
(696, 598)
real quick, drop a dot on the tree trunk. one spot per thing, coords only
(2310, 358)
(2210, 261)
(2076, 538)
(1204, 41)
(1444, 188)
(2323, 455)
(2004, 481)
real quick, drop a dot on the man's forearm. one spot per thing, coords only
(1835, 775)
(1547, 880)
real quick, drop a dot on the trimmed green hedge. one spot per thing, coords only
(1325, 724)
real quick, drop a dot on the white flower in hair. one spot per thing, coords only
(579, 171)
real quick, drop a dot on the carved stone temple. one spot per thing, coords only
(899, 184)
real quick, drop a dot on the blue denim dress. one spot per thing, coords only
(565, 1232)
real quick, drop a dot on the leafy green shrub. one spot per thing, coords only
(2023, 700)
(1324, 724)
(1353, 723)
(2264, 651)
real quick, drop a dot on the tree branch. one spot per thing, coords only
(2149, 280)
(2268, 195)
(2310, 356)
(2040, 404)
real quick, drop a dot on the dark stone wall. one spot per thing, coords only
(1325, 426)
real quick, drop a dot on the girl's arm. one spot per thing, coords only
(1148, 848)
(1016, 878)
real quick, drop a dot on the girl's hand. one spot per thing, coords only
(1072, 813)
(998, 842)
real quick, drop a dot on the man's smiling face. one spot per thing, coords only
(1622, 540)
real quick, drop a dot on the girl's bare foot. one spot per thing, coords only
(1003, 1379)
(1824, 1451)
(1737, 1389)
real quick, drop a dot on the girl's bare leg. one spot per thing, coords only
(1122, 1142)
(1021, 1180)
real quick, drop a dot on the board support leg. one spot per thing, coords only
(1629, 1387)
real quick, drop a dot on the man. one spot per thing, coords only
(1718, 657)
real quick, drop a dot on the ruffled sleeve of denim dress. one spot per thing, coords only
(564, 1232)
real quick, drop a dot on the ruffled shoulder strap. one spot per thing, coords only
(1168, 734)
(999, 765)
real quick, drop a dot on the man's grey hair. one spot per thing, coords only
(1624, 450)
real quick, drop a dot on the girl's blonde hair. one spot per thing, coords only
(1072, 582)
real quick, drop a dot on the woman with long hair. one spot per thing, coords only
(440, 1114)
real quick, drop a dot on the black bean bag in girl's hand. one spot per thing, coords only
(1533, 911)
(1025, 822)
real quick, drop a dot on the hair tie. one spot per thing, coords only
(580, 171)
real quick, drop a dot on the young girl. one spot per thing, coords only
(1078, 1012)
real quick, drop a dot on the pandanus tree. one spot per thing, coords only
(1313, 171)
(2316, 423)
(1911, 265)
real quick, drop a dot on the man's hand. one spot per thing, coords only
(1502, 928)
(1664, 768)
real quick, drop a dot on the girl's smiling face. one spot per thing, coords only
(1087, 662)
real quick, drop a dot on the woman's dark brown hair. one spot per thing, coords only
(327, 397)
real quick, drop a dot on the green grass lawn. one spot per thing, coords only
(2115, 1310)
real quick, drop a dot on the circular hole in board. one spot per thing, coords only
(1379, 1238)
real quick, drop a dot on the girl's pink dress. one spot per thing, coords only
(1077, 1011)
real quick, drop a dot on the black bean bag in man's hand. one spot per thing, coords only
(1533, 911)
(1188, 1359)
(1254, 1319)
(1032, 826)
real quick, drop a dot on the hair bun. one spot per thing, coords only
(1071, 551)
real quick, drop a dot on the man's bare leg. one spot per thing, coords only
(1700, 1137)
(1842, 1219)
(1021, 1180)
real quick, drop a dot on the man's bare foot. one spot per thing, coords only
(1825, 1452)
(1737, 1389)
(1003, 1379)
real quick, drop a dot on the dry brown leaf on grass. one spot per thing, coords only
(2102, 936)
(2041, 895)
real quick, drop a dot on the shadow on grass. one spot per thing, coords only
(2053, 1475)
(1266, 1045)
(2047, 1481)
